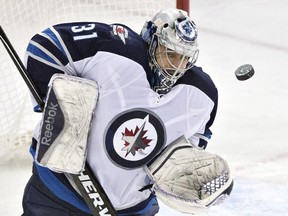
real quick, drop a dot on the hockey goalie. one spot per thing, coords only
(135, 107)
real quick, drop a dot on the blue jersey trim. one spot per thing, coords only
(38, 52)
(141, 212)
(59, 189)
(54, 38)
(37, 109)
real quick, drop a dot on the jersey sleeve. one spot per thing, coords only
(201, 80)
(45, 57)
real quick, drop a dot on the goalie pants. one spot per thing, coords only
(38, 200)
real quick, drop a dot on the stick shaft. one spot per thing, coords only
(96, 198)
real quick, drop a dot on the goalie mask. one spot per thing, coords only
(173, 47)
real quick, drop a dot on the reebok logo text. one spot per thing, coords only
(48, 123)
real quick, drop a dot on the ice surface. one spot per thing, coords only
(250, 130)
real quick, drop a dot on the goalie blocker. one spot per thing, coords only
(65, 125)
(189, 179)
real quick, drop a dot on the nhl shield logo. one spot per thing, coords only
(134, 137)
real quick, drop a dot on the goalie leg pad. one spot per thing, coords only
(65, 125)
(189, 179)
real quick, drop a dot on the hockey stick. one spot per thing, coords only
(88, 185)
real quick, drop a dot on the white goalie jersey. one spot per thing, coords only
(131, 122)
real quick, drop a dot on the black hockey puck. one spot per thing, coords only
(244, 72)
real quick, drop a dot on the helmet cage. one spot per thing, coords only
(169, 75)
(176, 33)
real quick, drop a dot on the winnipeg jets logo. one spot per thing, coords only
(134, 138)
(121, 32)
(186, 30)
(135, 141)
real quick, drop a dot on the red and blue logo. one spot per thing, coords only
(134, 137)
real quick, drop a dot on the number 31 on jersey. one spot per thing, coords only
(81, 30)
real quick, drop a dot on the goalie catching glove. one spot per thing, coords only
(189, 179)
(66, 121)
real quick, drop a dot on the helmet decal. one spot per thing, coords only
(186, 30)
(150, 29)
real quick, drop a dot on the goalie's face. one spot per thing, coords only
(172, 64)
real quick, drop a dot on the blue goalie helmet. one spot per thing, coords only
(173, 46)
